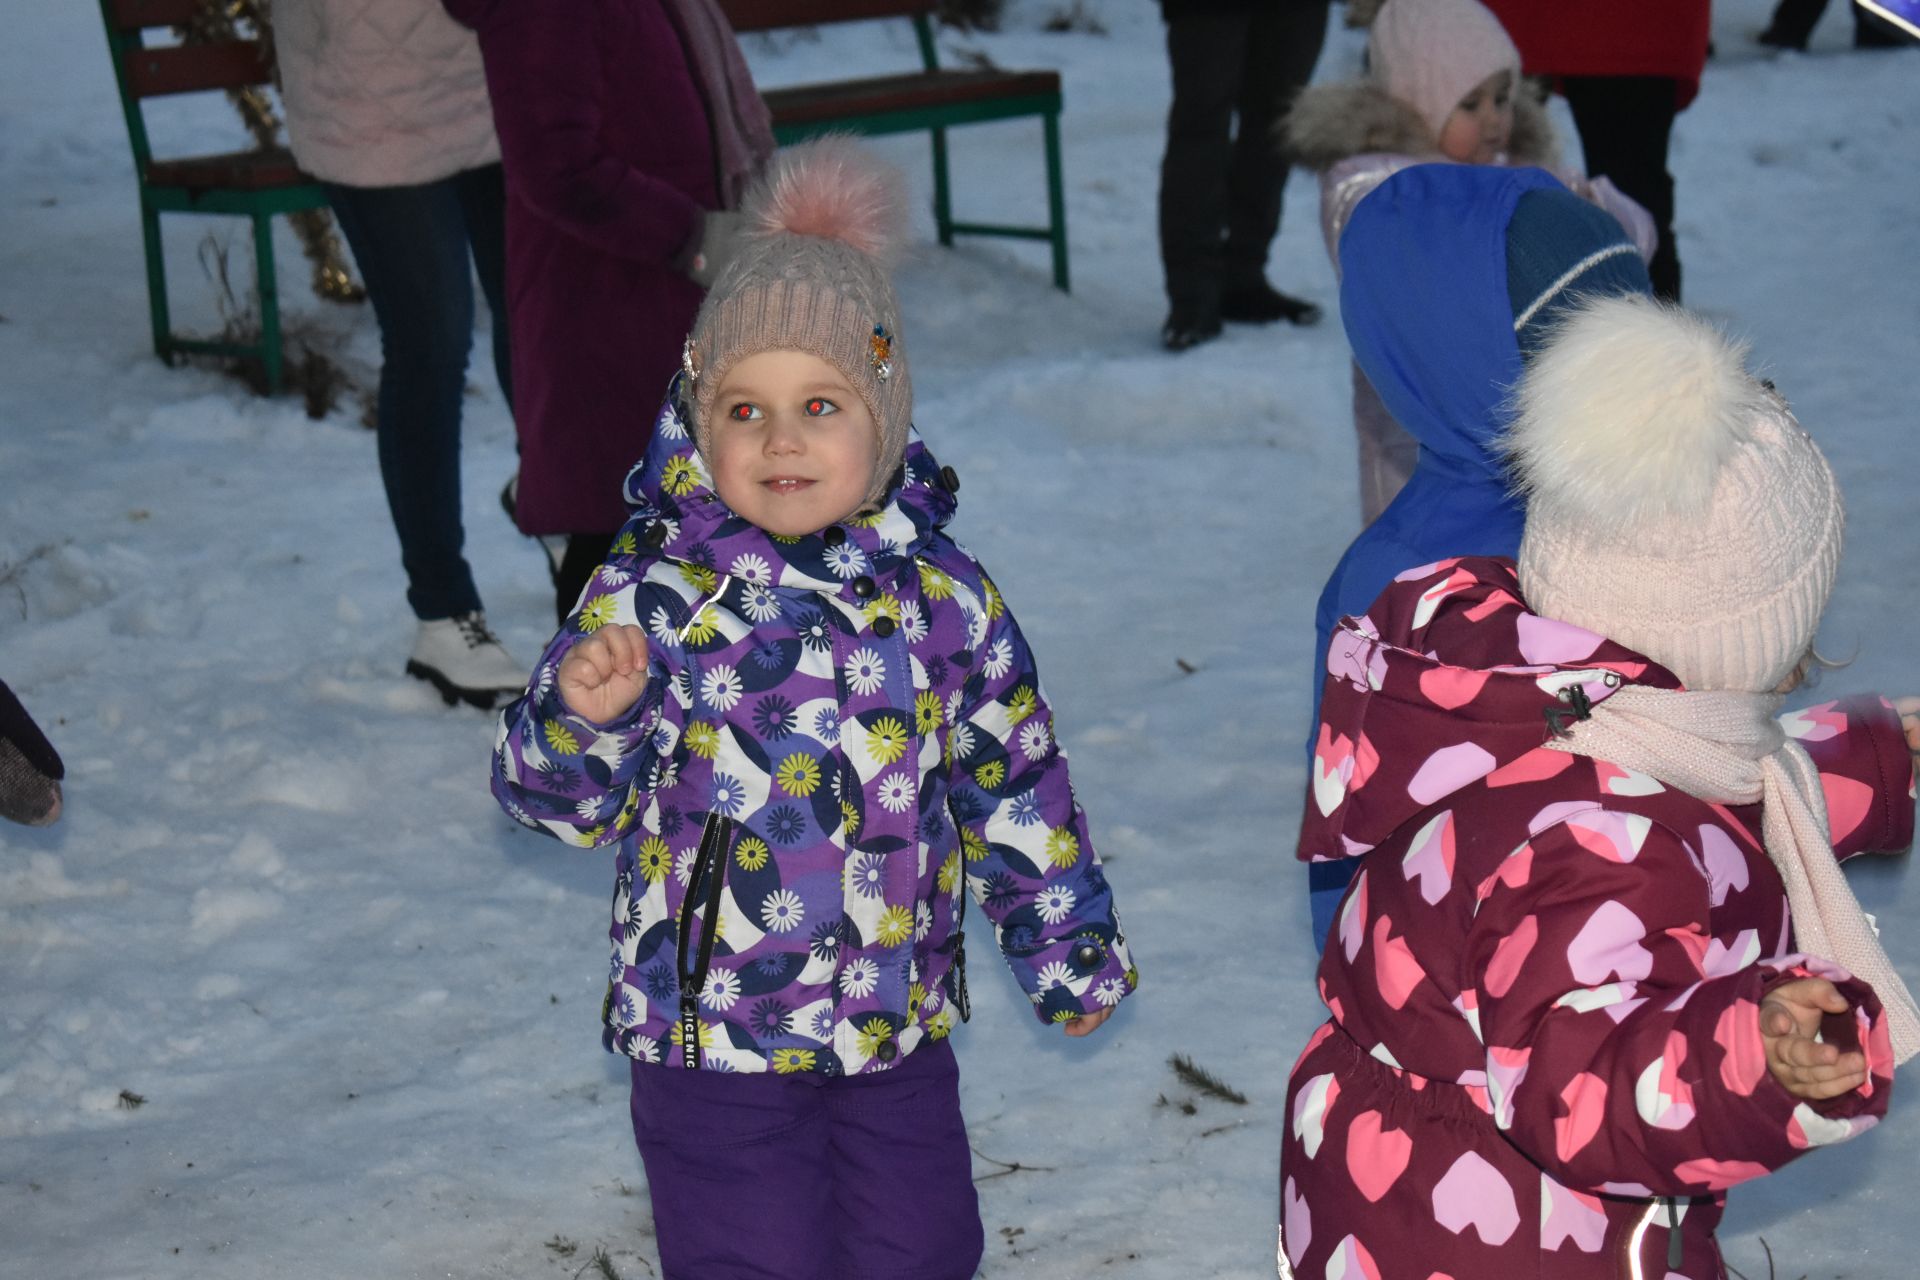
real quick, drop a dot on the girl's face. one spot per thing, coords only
(1478, 129)
(794, 446)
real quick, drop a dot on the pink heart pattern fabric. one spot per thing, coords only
(1376, 1157)
(1545, 979)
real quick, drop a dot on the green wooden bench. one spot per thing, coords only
(933, 98)
(250, 184)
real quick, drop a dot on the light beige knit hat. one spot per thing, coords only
(1673, 502)
(1431, 53)
(825, 224)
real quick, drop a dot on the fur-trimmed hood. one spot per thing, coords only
(1332, 122)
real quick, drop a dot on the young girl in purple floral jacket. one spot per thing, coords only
(810, 724)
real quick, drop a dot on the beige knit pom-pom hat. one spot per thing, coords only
(824, 226)
(1431, 53)
(1673, 502)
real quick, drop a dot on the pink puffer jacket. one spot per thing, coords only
(382, 93)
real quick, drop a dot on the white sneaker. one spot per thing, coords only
(466, 662)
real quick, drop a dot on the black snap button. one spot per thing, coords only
(863, 586)
(883, 626)
(1087, 955)
(887, 1051)
(656, 536)
(834, 535)
(949, 479)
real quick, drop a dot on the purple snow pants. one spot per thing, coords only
(806, 1177)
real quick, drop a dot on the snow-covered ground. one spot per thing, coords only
(360, 1005)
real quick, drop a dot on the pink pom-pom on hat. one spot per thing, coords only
(835, 189)
(824, 225)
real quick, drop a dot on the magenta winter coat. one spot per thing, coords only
(1544, 1057)
(609, 164)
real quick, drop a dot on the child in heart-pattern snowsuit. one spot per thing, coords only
(811, 725)
(1599, 963)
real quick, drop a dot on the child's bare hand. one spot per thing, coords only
(1789, 1018)
(1909, 709)
(1087, 1023)
(605, 674)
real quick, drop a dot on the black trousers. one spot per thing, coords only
(1794, 21)
(1626, 125)
(1234, 75)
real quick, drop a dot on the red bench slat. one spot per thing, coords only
(769, 15)
(809, 103)
(244, 170)
(134, 15)
(190, 68)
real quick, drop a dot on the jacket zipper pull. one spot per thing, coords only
(700, 606)
(689, 1033)
(960, 1001)
(1673, 1235)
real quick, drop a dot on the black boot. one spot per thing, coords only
(1189, 325)
(1775, 38)
(30, 769)
(1263, 304)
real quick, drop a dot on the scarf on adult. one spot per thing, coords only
(1726, 748)
(742, 127)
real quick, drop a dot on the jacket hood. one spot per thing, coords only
(1446, 681)
(692, 524)
(1334, 122)
(1423, 294)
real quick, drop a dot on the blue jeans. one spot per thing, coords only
(412, 245)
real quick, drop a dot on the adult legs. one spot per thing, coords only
(1793, 23)
(1282, 44)
(1794, 20)
(411, 245)
(483, 202)
(1626, 125)
(1205, 51)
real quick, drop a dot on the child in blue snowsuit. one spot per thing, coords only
(1447, 274)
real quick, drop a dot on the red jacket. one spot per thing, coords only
(1545, 981)
(1610, 38)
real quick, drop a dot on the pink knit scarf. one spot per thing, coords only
(1726, 748)
(742, 127)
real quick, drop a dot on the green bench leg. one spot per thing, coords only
(1056, 203)
(942, 189)
(156, 285)
(269, 290)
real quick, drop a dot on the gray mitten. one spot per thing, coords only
(713, 248)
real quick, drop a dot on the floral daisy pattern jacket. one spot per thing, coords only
(841, 734)
(1544, 1056)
